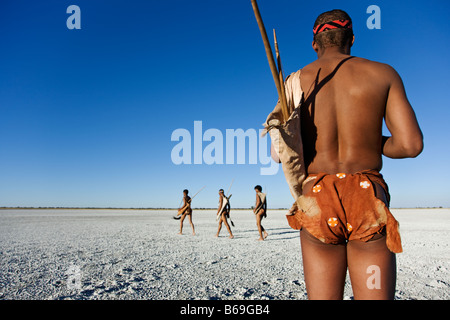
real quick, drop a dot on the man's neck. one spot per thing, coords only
(331, 52)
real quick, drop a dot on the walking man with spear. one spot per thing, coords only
(223, 212)
(186, 210)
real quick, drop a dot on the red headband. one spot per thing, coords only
(336, 24)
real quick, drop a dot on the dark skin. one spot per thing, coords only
(187, 212)
(224, 216)
(349, 111)
(259, 216)
(342, 133)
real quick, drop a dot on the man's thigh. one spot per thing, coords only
(372, 269)
(324, 267)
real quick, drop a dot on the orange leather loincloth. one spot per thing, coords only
(344, 207)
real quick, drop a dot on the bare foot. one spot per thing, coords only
(217, 235)
(180, 233)
(265, 235)
(231, 237)
(261, 239)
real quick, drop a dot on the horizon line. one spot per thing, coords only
(168, 208)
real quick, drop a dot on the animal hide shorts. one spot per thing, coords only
(344, 207)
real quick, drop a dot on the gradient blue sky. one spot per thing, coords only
(86, 116)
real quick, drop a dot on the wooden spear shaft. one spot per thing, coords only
(280, 76)
(273, 67)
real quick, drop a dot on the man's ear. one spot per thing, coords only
(315, 46)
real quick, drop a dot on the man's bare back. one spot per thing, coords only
(346, 100)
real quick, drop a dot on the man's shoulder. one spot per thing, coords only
(356, 61)
(377, 70)
(373, 64)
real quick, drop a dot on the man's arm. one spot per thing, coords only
(258, 201)
(406, 140)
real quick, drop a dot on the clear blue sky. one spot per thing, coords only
(86, 116)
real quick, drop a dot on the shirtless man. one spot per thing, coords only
(345, 101)
(260, 212)
(225, 214)
(186, 210)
